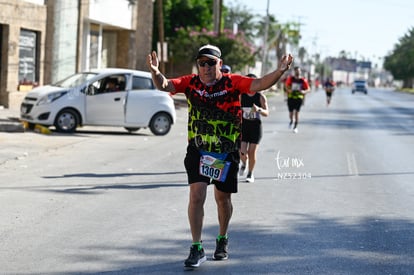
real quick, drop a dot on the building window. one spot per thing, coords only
(28, 61)
(94, 50)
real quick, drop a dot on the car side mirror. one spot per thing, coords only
(82, 90)
(89, 90)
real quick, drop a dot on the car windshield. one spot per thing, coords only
(360, 82)
(74, 80)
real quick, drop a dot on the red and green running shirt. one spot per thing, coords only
(214, 112)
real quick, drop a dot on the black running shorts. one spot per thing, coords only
(294, 104)
(252, 131)
(192, 162)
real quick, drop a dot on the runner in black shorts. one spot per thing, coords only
(254, 106)
(329, 87)
(296, 86)
(214, 137)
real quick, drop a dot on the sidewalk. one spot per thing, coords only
(9, 120)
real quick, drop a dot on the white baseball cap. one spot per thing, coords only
(209, 51)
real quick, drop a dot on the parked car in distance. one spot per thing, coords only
(360, 86)
(101, 97)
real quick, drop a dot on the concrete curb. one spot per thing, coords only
(10, 121)
(11, 127)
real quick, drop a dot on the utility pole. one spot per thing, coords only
(265, 38)
(161, 34)
(217, 4)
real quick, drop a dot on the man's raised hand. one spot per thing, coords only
(152, 62)
(286, 62)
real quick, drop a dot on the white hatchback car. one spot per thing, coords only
(101, 97)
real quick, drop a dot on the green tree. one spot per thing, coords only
(302, 53)
(188, 24)
(344, 54)
(182, 13)
(400, 61)
(243, 18)
(280, 35)
(236, 51)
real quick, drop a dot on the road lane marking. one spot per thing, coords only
(352, 164)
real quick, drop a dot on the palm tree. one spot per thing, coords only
(285, 35)
(302, 53)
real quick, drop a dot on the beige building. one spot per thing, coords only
(43, 41)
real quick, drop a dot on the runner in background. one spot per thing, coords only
(296, 87)
(226, 69)
(254, 106)
(329, 87)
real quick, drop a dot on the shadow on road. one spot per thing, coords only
(311, 245)
(110, 175)
(89, 188)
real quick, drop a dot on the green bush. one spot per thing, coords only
(236, 51)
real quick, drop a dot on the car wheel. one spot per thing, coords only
(66, 121)
(353, 91)
(160, 124)
(131, 130)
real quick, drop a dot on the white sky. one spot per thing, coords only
(367, 29)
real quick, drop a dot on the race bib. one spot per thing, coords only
(214, 166)
(296, 86)
(248, 114)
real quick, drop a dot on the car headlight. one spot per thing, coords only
(51, 97)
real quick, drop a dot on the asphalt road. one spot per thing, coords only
(335, 198)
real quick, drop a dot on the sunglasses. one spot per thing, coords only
(210, 63)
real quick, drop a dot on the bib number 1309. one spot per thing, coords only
(214, 167)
